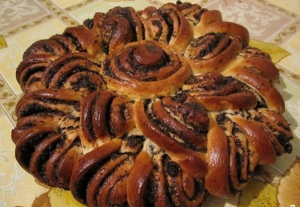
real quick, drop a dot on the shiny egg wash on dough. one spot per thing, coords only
(159, 107)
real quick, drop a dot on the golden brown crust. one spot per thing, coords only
(223, 27)
(104, 115)
(144, 74)
(217, 178)
(93, 125)
(60, 165)
(42, 127)
(192, 12)
(277, 128)
(47, 100)
(86, 162)
(270, 94)
(158, 107)
(33, 120)
(50, 47)
(218, 93)
(258, 138)
(86, 40)
(212, 52)
(207, 18)
(119, 27)
(168, 25)
(260, 65)
(30, 70)
(190, 161)
(137, 180)
(79, 72)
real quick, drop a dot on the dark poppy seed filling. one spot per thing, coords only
(84, 81)
(32, 71)
(209, 45)
(133, 140)
(146, 62)
(169, 20)
(44, 151)
(198, 14)
(34, 108)
(108, 70)
(44, 47)
(87, 110)
(89, 23)
(127, 14)
(114, 23)
(75, 41)
(157, 107)
(63, 41)
(48, 48)
(105, 46)
(158, 24)
(28, 150)
(172, 169)
(85, 180)
(56, 101)
(52, 70)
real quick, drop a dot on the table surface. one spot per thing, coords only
(23, 22)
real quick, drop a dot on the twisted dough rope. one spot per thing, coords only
(166, 102)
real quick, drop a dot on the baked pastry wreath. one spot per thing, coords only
(158, 107)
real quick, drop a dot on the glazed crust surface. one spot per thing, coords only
(157, 107)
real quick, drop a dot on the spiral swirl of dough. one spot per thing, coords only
(46, 137)
(108, 175)
(157, 107)
(237, 143)
(120, 26)
(79, 72)
(104, 115)
(212, 52)
(218, 93)
(167, 25)
(145, 69)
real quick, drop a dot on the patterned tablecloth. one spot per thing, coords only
(23, 22)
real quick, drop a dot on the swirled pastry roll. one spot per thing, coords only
(30, 71)
(145, 69)
(79, 72)
(104, 115)
(157, 107)
(120, 26)
(46, 135)
(212, 52)
(237, 143)
(218, 93)
(168, 25)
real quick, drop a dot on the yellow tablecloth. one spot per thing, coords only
(23, 22)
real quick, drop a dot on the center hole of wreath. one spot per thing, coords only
(148, 56)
